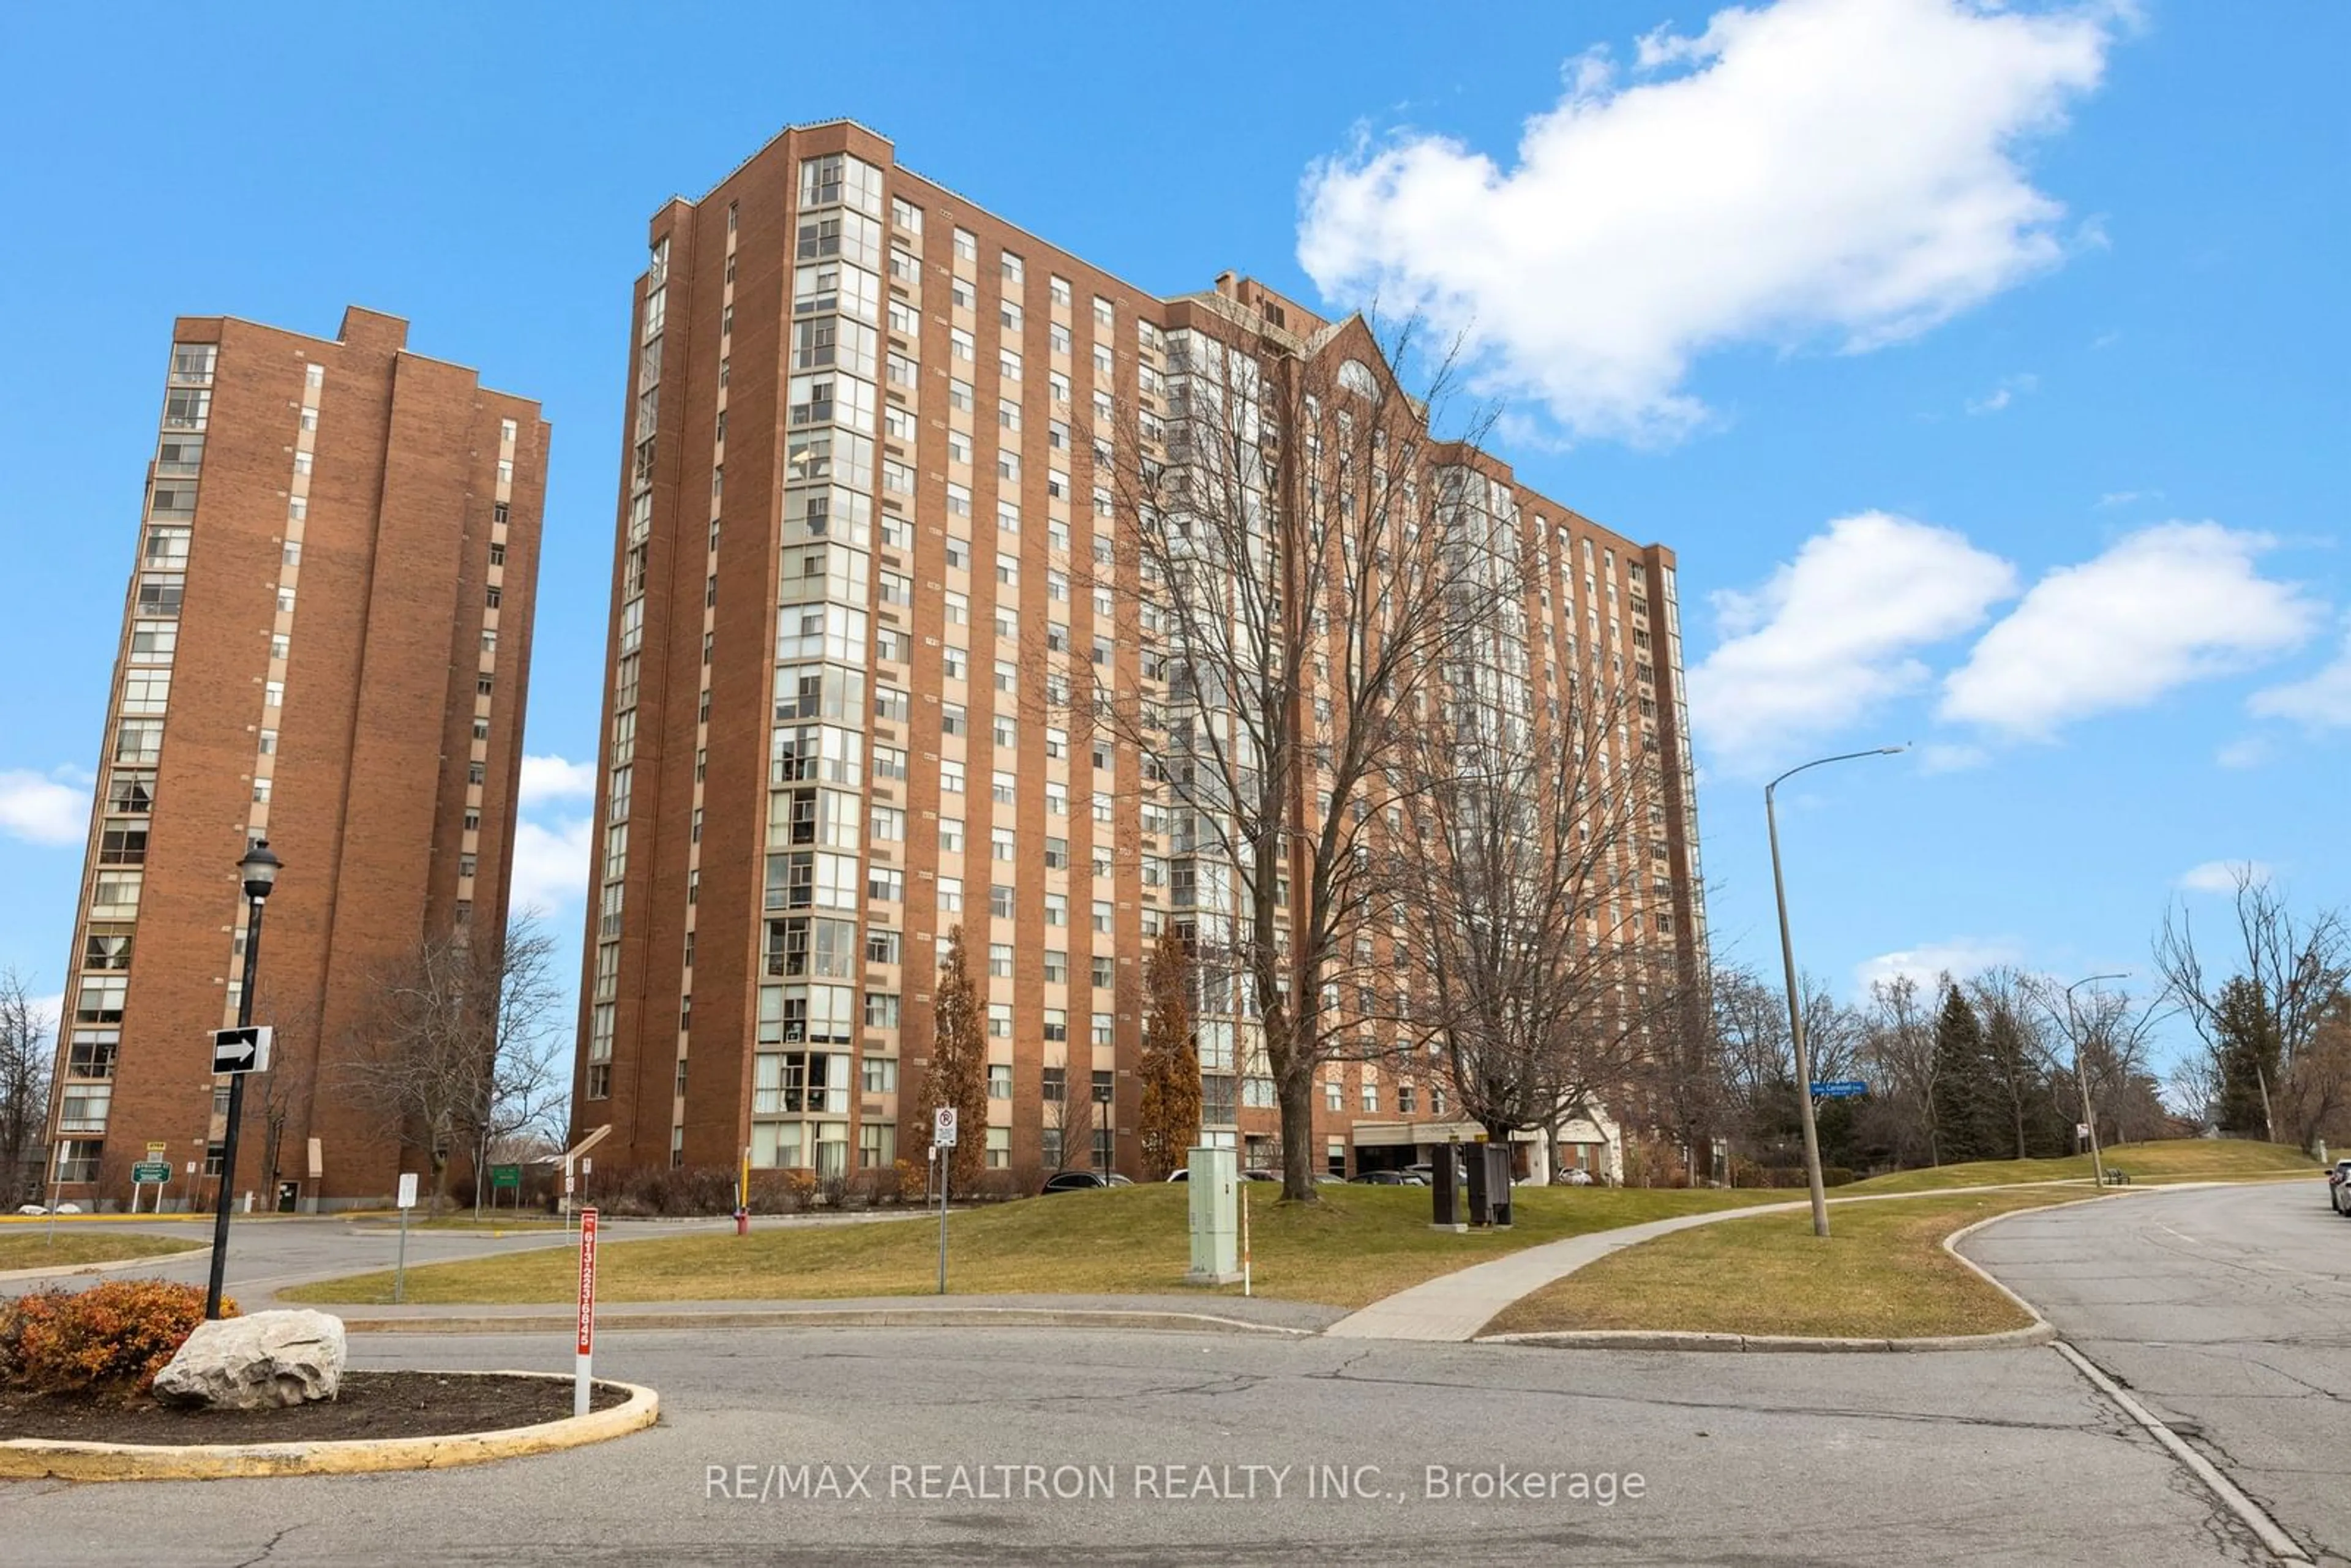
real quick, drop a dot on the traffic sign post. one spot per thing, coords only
(943, 1138)
(244, 1049)
(1840, 1089)
(399, 1265)
(585, 1356)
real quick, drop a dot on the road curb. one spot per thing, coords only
(70, 1270)
(1654, 1339)
(833, 1318)
(35, 1458)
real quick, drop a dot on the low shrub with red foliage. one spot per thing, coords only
(110, 1339)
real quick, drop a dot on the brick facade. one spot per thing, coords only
(355, 508)
(701, 1024)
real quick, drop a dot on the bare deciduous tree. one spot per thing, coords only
(1311, 556)
(1524, 960)
(1069, 1118)
(455, 1044)
(25, 1057)
(2293, 972)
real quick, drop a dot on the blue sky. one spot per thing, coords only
(1985, 369)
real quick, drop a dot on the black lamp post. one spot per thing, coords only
(259, 869)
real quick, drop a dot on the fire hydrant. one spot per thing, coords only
(742, 1222)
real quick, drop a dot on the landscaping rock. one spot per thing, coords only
(267, 1360)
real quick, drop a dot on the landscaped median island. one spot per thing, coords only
(1883, 1274)
(130, 1381)
(80, 1249)
(1353, 1247)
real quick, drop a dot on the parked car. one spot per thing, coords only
(61, 1208)
(1078, 1181)
(1259, 1176)
(2338, 1188)
(1574, 1176)
(1383, 1178)
(1181, 1172)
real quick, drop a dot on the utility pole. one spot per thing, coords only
(1795, 1002)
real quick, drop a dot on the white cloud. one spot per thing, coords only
(2321, 701)
(2251, 751)
(2005, 394)
(552, 778)
(43, 810)
(2221, 876)
(2165, 606)
(2125, 498)
(1816, 170)
(1832, 633)
(1946, 758)
(1930, 961)
(550, 864)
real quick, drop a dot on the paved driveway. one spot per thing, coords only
(2227, 1310)
(1220, 1449)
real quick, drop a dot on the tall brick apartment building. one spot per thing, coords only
(325, 642)
(861, 561)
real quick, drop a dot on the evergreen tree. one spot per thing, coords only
(2249, 1053)
(1169, 1121)
(1962, 1085)
(958, 1073)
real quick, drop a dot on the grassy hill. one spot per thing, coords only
(2175, 1159)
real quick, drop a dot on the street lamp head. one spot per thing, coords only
(259, 868)
(1893, 750)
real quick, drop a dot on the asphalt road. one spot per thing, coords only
(2226, 1310)
(1993, 1457)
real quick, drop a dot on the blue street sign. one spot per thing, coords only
(1841, 1088)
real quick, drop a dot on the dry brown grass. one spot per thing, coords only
(32, 1249)
(1882, 1273)
(1356, 1246)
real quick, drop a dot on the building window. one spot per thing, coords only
(999, 1081)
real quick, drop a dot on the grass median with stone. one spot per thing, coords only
(72, 1249)
(1356, 1246)
(1883, 1274)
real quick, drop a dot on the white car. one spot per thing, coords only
(1575, 1175)
(2338, 1188)
(61, 1208)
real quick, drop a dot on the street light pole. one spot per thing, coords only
(2082, 1078)
(259, 869)
(1795, 1002)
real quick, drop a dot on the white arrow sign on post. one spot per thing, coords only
(241, 1050)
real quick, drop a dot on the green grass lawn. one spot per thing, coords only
(1882, 1273)
(1356, 1246)
(2176, 1159)
(32, 1249)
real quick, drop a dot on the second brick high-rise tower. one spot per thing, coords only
(864, 564)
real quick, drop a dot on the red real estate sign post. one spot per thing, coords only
(587, 1345)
